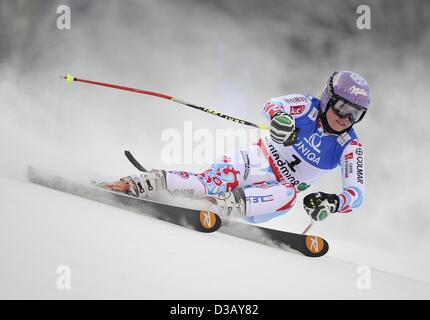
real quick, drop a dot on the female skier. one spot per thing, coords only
(308, 138)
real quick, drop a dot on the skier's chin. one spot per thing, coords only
(340, 130)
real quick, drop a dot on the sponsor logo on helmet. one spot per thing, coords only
(358, 91)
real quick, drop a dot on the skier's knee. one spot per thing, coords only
(221, 177)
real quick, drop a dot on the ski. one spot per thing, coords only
(202, 221)
(308, 245)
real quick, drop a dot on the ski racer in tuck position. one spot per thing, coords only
(308, 138)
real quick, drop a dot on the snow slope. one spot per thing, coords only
(113, 253)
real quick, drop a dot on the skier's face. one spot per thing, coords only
(337, 123)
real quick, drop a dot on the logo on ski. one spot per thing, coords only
(207, 219)
(314, 244)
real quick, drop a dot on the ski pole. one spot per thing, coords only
(134, 162)
(69, 78)
(308, 227)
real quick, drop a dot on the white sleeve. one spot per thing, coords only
(293, 104)
(353, 178)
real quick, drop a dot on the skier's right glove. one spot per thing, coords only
(283, 129)
(320, 205)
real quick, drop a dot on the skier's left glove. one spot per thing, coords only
(320, 205)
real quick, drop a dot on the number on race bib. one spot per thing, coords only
(294, 163)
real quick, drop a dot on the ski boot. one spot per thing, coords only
(141, 186)
(229, 204)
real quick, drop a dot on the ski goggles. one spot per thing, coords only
(345, 109)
